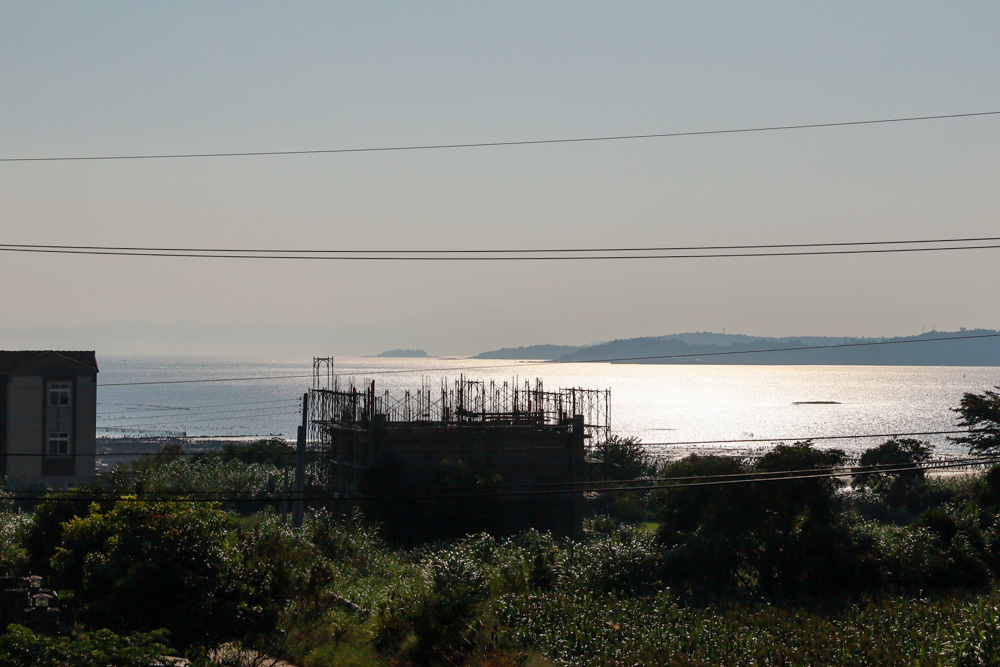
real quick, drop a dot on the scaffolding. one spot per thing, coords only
(462, 403)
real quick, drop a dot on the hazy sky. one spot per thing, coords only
(101, 78)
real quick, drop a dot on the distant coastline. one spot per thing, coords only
(529, 352)
(966, 347)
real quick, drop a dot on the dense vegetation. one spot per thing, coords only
(705, 561)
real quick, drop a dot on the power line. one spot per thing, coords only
(152, 426)
(793, 349)
(139, 407)
(853, 436)
(315, 453)
(695, 481)
(523, 363)
(201, 380)
(498, 251)
(288, 403)
(494, 144)
(480, 258)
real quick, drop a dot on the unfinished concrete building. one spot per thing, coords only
(528, 442)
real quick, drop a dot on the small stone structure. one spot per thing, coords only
(24, 601)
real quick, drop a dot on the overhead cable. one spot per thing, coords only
(496, 250)
(633, 485)
(495, 144)
(482, 258)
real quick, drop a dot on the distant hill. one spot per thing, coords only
(709, 348)
(529, 352)
(402, 353)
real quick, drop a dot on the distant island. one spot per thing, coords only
(933, 348)
(403, 353)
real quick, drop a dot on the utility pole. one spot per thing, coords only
(300, 466)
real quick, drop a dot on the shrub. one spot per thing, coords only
(146, 565)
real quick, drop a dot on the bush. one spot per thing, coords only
(20, 647)
(896, 489)
(146, 565)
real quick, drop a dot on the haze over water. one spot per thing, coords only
(657, 403)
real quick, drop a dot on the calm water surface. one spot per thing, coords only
(657, 403)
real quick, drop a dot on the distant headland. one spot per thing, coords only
(966, 347)
(529, 352)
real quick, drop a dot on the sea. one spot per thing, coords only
(674, 409)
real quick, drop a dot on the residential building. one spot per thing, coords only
(48, 418)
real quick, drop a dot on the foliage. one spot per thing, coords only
(988, 493)
(44, 534)
(620, 458)
(980, 412)
(702, 527)
(777, 535)
(20, 647)
(146, 565)
(443, 622)
(350, 541)
(582, 628)
(13, 526)
(272, 451)
(896, 489)
(214, 478)
(627, 459)
(285, 580)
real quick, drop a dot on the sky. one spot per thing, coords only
(125, 78)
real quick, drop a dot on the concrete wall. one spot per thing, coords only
(528, 456)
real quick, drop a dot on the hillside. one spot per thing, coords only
(706, 348)
(529, 352)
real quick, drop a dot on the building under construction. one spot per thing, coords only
(519, 445)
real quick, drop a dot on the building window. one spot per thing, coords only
(59, 393)
(59, 444)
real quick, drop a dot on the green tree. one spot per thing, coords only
(794, 526)
(146, 565)
(704, 527)
(44, 534)
(769, 526)
(20, 647)
(273, 451)
(894, 488)
(981, 413)
(619, 458)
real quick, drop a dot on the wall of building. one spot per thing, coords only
(525, 457)
(30, 420)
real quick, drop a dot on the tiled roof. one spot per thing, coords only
(9, 360)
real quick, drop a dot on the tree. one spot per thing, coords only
(273, 451)
(618, 458)
(146, 565)
(20, 647)
(45, 531)
(796, 536)
(621, 458)
(981, 413)
(705, 528)
(769, 525)
(894, 488)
